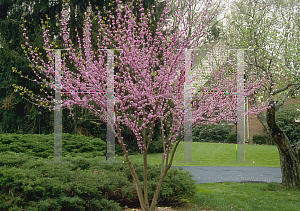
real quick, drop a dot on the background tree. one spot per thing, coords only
(271, 29)
(194, 11)
(18, 115)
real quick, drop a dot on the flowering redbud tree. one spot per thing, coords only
(149, 80)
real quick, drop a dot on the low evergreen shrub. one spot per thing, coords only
(231, 138)
(28, 183)
(177, 184)
(259, 139)
(43, 145)
(211, 133)
(156, 145)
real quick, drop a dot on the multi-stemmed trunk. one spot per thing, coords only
(143, 195)
(143, 198)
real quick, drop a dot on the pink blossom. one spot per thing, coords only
(141, 97)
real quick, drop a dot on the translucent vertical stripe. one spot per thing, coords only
(57, 110)
(240, 105)
(188, 138)
(110, 136)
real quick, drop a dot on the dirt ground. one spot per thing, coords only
(182, 207)
(175, 209)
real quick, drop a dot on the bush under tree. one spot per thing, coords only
(27, 182)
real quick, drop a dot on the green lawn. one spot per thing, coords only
(247, 196)
(229, 195)
(214, 154)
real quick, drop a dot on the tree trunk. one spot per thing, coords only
(142, 199)
(159, 184)
(289, 168)
(289, 154)
(72, 24)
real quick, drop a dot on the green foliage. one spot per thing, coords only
(47, 204)
(21, 116)
(27, 182)
(42, 145)
(72, 203)
(103, 205)
(231, 138)
(129, 140)
(156, 146)
(50, 187)
(285, 119)
(177, 184)
(272, 186)
(259, 139)
(247, 196)
(57, 187)
(215, 33)
(211, 133)
(13, 159)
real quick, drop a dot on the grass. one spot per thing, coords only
(247, 196)
(230, 195)
(214, 154)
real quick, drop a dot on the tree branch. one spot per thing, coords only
(284, 88)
